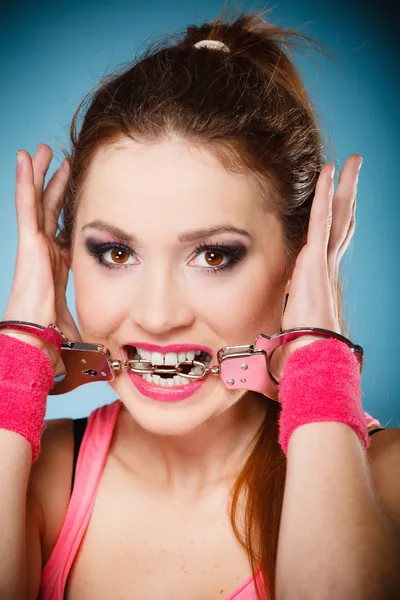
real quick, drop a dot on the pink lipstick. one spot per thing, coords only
(161, 393)
(165, 394)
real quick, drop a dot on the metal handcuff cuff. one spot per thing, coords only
(240, 367)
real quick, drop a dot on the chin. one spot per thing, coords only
(173, 418)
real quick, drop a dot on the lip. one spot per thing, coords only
(165, 394)
(171, 348)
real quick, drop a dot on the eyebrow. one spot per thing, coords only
(108, 228)
(189, 236)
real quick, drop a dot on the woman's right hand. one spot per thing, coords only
(41, 268)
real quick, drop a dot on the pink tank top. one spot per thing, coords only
(89, 467)
(91, 460)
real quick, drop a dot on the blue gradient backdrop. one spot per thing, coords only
(52, 53)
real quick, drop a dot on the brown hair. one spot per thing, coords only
(248, 106)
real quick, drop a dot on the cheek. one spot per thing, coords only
(97, 306)
(238, 306)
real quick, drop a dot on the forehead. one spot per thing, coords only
(168, 185)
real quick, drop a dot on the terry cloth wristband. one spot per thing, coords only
(26, 377)
(321, 382)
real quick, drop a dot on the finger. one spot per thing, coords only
(60, 284)
(52, 198)
(334, 258)
(25, 197)
(349, 235)
(342, 204)
(333, 265)
(65, 319)
(321, 212)
(41, 162)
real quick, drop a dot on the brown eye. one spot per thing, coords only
(119, 256)
(214, 259)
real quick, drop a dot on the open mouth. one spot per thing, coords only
(170, 359)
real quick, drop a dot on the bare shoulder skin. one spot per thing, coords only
(384, 461)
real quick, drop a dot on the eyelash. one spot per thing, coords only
(234, 252)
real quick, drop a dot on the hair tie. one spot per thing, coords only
(213, 44)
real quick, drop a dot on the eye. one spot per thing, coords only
(118, 256)
(211, 258)
(111, 255)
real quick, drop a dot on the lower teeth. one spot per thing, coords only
(174, 381)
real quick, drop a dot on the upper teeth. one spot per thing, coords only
(170, 358)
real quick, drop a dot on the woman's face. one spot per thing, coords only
(195, 263)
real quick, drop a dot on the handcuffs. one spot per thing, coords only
(240, 367)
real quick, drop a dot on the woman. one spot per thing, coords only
(202, 158)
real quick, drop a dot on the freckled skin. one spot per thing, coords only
(157, 192)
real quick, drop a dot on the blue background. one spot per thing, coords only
(52, 53)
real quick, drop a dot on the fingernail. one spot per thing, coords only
(332, 173)
(20, 167)
(361, 162)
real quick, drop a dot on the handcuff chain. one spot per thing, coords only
(129, 365)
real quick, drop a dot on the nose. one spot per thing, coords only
(160, 305)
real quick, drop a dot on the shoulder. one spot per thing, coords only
(50, 480)
(56, 449)
(383, 457)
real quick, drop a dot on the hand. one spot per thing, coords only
(313, 292)
(41, 269)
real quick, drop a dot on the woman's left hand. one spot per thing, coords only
(313, 292)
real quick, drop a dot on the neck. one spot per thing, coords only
(211, 456)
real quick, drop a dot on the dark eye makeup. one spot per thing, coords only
(233, 253)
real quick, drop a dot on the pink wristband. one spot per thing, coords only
(321, 382)
(26, 377)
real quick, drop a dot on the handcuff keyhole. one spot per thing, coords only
(90, 372)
